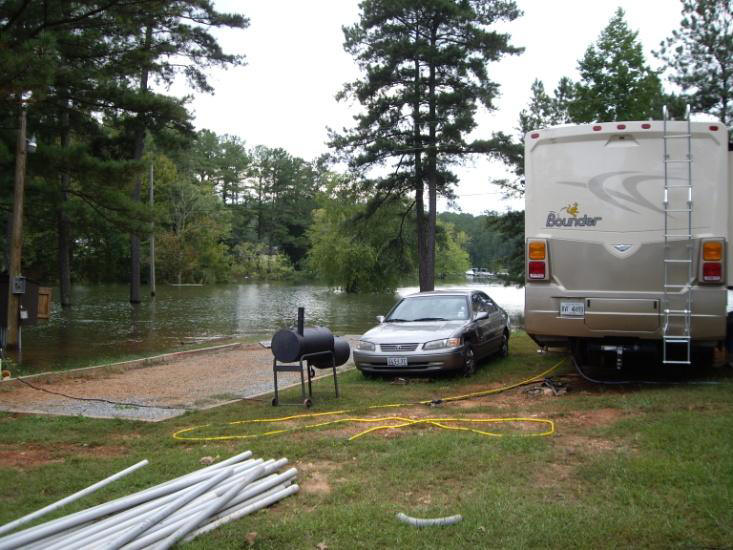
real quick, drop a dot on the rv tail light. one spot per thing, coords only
(712, 251)
(713, 255)
(646, 126)
(536, 270)
(713, 128)
(597, 128)
(536, 250)
(621, 126)
(711, 272)
(534, 135)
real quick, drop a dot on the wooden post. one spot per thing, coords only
(152, 237)
(16, 235)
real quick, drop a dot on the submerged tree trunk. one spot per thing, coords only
(63, 226)
(64, 252)
(138, 154)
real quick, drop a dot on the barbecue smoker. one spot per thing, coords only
(308, 347)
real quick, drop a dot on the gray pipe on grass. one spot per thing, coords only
(417, 522)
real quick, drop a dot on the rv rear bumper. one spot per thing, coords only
(622, 314)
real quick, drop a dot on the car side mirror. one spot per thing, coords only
(481, 315)
(380, 318)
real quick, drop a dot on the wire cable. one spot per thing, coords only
(100, 400)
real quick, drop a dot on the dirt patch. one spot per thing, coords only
(315, 477)
(553, 475)
(423, 499)
(593, 417)
(130, 436)
(27, 457)
(578, 444)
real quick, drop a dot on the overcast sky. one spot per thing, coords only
(284, 96)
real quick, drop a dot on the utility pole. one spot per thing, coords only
(152, 236)
(16, 235)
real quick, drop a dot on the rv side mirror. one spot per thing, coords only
(380, 318)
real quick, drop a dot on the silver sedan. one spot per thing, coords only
(444, 330)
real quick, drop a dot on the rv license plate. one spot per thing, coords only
(396, 361)
(572, 309)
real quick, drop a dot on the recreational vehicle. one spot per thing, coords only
(627, 227)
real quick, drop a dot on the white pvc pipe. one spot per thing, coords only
(107, 535)
(201, 517)
(49, 528)
(71, 498)
(261, 503)
(231, 508)
(57, 531)
(217, 465)
(164, 531)
(256, 491)
(109, 526)
(190, 509)
(43, 544)
(167, 510)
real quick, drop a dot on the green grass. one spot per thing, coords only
(642, 467)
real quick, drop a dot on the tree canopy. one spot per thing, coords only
(425, 77)
(700, 56)
(615, 81)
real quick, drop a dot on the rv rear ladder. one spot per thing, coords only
(678, 246)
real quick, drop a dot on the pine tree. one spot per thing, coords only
(168, 39)
(615, 81)
(425, 66)
(700, 53)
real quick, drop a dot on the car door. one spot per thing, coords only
(495, 324)
(483, 326)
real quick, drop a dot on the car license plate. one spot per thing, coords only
(396, 361)
(572, 309)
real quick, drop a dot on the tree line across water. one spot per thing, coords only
(88, 75)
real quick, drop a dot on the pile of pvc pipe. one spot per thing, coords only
(158, 517)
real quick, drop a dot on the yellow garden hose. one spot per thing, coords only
(446, 423)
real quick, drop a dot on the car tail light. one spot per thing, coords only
(712, 252)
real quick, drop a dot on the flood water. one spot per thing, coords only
(102, 326)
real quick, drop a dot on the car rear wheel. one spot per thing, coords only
(469, 361)
(504, 348)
